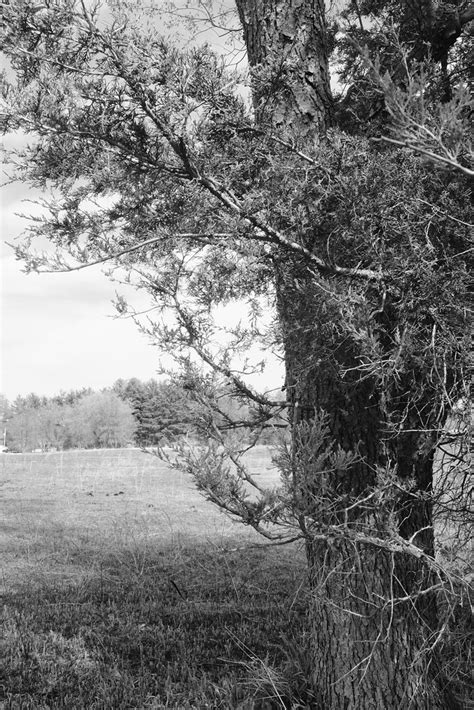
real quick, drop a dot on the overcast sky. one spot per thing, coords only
(58, 330)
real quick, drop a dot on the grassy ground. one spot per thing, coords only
(123, 588)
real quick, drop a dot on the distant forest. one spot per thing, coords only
(130, 413)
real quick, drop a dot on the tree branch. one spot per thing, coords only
(423, 151)
(266, 233)
(136, 247)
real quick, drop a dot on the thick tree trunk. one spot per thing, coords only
(370, 627)
(372, 620)
(368, 653)
(368, 650)
(287, 49)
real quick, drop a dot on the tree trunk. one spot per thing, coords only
(368, 650)
(367, 653)
(287, 49)
(370, 627)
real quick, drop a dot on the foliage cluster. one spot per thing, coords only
(92, 420)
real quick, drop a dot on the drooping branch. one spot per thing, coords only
(114, 147)
(187, 322)
(226, 372)
(262, 231)
(189, 170)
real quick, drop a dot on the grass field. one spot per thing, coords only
(123, 588)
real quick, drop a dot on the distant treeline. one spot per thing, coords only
(131, 412)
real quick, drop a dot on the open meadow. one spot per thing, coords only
(124, 588)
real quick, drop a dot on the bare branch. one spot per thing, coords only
(446, 214)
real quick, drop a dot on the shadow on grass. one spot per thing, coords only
(183, 626)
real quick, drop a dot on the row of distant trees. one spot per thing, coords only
(131, 412)
(93, 419)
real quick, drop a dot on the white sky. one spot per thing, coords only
(58, 330)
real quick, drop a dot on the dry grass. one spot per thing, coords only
(123, 588)
(63, 501)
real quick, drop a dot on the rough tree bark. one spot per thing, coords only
(367, 652)
(287, 48)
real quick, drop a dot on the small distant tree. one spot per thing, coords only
(22, 431)
(163, 410)
(101, 420)
(42, 427)
(52, 426)
(5, 414)
(133, 392)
